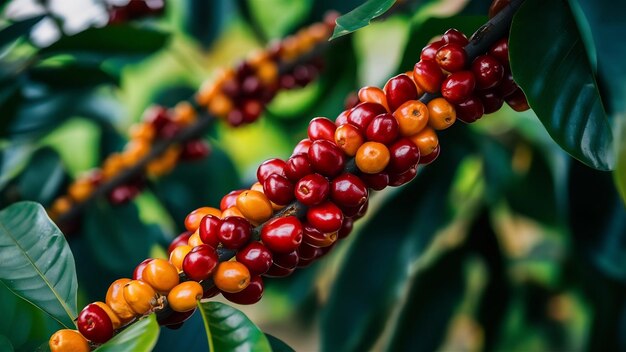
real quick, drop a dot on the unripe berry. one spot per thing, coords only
(412, 117)
(231, 277)
(255, 206)
(140, 296)
(177, 256)
(427, 159)
(249, 295)
(161, 275)
(184, 296)
(426, 141)
(68, 340)
(349, 138)
(442, 114)
(115, 300)
(373, 95)
(372, 157)
(115, 320)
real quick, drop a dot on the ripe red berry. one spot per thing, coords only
(174, 318)
(517, 101)
(235, 117)
(315, 237)
(122, 194)
(302, 147)
(138, 272)
(298, 166)
(256, 257)
(458, 86)
(278, 189)
(383, 129)
(200, 262)
(507, 86)
(362, 114)
(321, 128)
(312, 189)
(377, 181)
(180, 240)
(428, 76)
(251, 110)
(249, 295)
(195, 150)
(396, 180)
(451, 57)
(488, 72)
(209, 230)
(404, 154)
(500, 50)
(429, 52)
(308, 253)
(157, 116)
(470, 110)
(347, 190)
(94, 324)
(269, 167)
(251, 86)
(326, 217)
(235, 232)
(453, 35)
(346, 228)
(278, 271)
(286, 260)
(230, 200)
(326, 158)
(432, 156)
(398, 90)
(282, 235)
(492, 102)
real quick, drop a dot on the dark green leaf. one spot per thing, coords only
(558, 79)
(204, 20)
(5, 344)
(43, 177)
(13, 159)
(73, 75)
(277, 344)
(18, 29)
(228, 329)
(264, 15)
(37, 262)
(361, 16)
(620, 167)
(138, 337)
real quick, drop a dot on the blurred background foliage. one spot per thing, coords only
(504, 243)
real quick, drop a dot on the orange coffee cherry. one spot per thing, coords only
(257, 57)
(184, 114)
(115, 320)
(112, 166)
(231, 276)
(412, 117)
(426, 141)
(161, 275)
(61, 205)
(135, 151)
(349, 139)
(192, 221)
(115, 300)
(80, 189)
(257, 186)
(372, 157)
(267, 71)
(66, 340)
(164, 163)
(142, 131)
(205, 94)
(420, 91)
(178, 255)
(195, 240)
(184, 296)
(232, 211)
(140, 296)
(319, 32)
(441, 114)
(220, 105)
(373, 95)
(254, 206)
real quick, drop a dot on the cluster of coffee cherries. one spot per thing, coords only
(239, 95)
(475, 88)
(134, 9)
(158, 123)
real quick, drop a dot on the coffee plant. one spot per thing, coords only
(312, 175)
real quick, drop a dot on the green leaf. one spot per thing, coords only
(204, 20)
(18, 29)
(228, 329)
(361, 16)
(189, 337)
(277, 344)
(72, 75)
(138, 337)
(42, 179)
(106, 42)
(13, 159)
(5, 344)
(620, 168)
(264, 18)
(37, 263)
(557, 76)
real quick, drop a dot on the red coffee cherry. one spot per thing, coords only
(278, 189)
(429, 52)
(377, 181)
(200, 263)
(383, 129)
(175, 318)
(362, 114)
(451, 57)
(347, 190)
(193, 219)
(321, 128)
(180, 240)
(157, 116)
(94, 324)
(315, 237)
(326, 217)
(342, 118)
(286, 260)
(269, 167)
(312, 189)
(428, 76)
(256, 257)
(346, 228)
(432, 156)
(251, 109)
(278, 271)
(517, 101)
(500, 50)
(453, 35)
(209, 230)
(492, 102)
(302, 147)
(235, 232)
(298, 166)
(195, 150)
(470, 110)
(404, 154)
(326, 158)
(230, 200)
(282, 235)
(396, 180)
(507, 86)
(249, 295)
(307, 254)
(487, 71)
(458, 86)
(398, 90)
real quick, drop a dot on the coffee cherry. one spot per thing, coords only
(451, 57)
(255, 206)
(372, 157)
(487, 71)
(404, 154)
(251, 109)
(396, 180)
(500, 50)
(398, 90)
(195, 240)
(458, 86)
(383, 129)
(192, 221)
(177, 256)
(115, 300)
(184, 296)
(211, 292)
(362, 114)
(94, 324)
(317, 238)
(349, 138)
(251, 86)
(428, 76)
(377, 181)
(68, 340)
(116, 322)
(442, 114)
(426, 141)
(256, 257)
(231, 277)
(342, 118)
(302, 147)
(230, 200)
(195, 150)
(200, 262)
(209, 230)
(249, 295)
(412, 117)
(298, 166)
(326, 217)
(326, 158)
(278, 271)
(180, 240)
(234, 117)
(138, 272)
(232, 211)
(282, 235)
(427, 159)
(140, 296)
(157, 116)
(470, 110)
(373, 95)
(429, 52)
(278, 189)
(308, 254)
(517, 101)
(492, 102)
(312, 189)
(347, 190)
(234, 232)
(507, 86)
(346, 228)
(453, 35)
(122, 194)
(269, 167)
(175, 319)
(161, 275)
(497, 6)
(321, 128)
